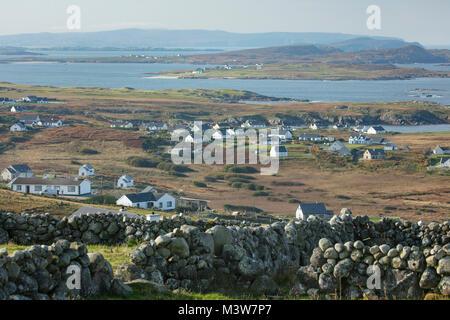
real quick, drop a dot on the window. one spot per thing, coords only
(71, 189)
(169, 204)
(160, 205)
(19, 187)
(37, 188)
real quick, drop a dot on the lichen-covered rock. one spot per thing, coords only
(444, 286)
(429, 279)
(221, 236)
(179, 247)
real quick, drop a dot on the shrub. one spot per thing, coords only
(102, 199)
(199, 184)
(260, 194)
(141, 162)
(287, 183)
(210, 179)
(240, 169)
(88, 151)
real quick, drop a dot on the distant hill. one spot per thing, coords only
(174, 38)
(367, 43)
(408, 54)
(310, 53)
(284, 54)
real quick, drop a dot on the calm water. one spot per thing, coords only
(134, 75)
(422, 128)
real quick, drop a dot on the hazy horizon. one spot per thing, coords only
(422, 21)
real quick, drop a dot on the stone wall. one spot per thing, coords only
(40, 272)
(201, 255)
(343, 270)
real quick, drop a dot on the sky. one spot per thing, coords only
(425, 21)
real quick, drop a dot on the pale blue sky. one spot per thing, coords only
(426, 21)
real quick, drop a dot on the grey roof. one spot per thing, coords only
(378, 128)
(143, 196)
(313, 208)
(339, 147)
(376, 152)
(47, 182)
(29, 118)
(310, 135)
(20, 167)
(88, 166)
(20, 124)
(93, 210)
(126, 177)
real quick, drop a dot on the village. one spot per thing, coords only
(363, 143)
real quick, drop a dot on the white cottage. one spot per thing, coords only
(86, 170)
(56, 186)
(125, 181)
(18, 127)
(16, 171)
(145, 200)
(278, 151)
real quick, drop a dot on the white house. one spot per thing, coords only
(390, 147)
(359, 139)
(18, 109)
(444, 163)
(145, 200)
(221, 135)
(278, 151)
(86, 170)
(50, 122)
(56, 186)
(283, 134)
(18, 127)
(441, 150)
(305, 210)
(153, 126)
(16, 171)
(376, 130)
(125, 181)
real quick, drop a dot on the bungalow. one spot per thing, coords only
(441, 150)
(16, 171)
(339, 148)
(283, 134)
(153, 126)
(86, 170)
(390, 147)
(18, 109)
(146, 200)
(125, 181)
(17, 127)
(376, 130)
(359, 139)
(319, 210)
(56, 186)
(278, 151)
(29, 99)
(310, 137)
(50, 122)
(444, 163)
(374, 154)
